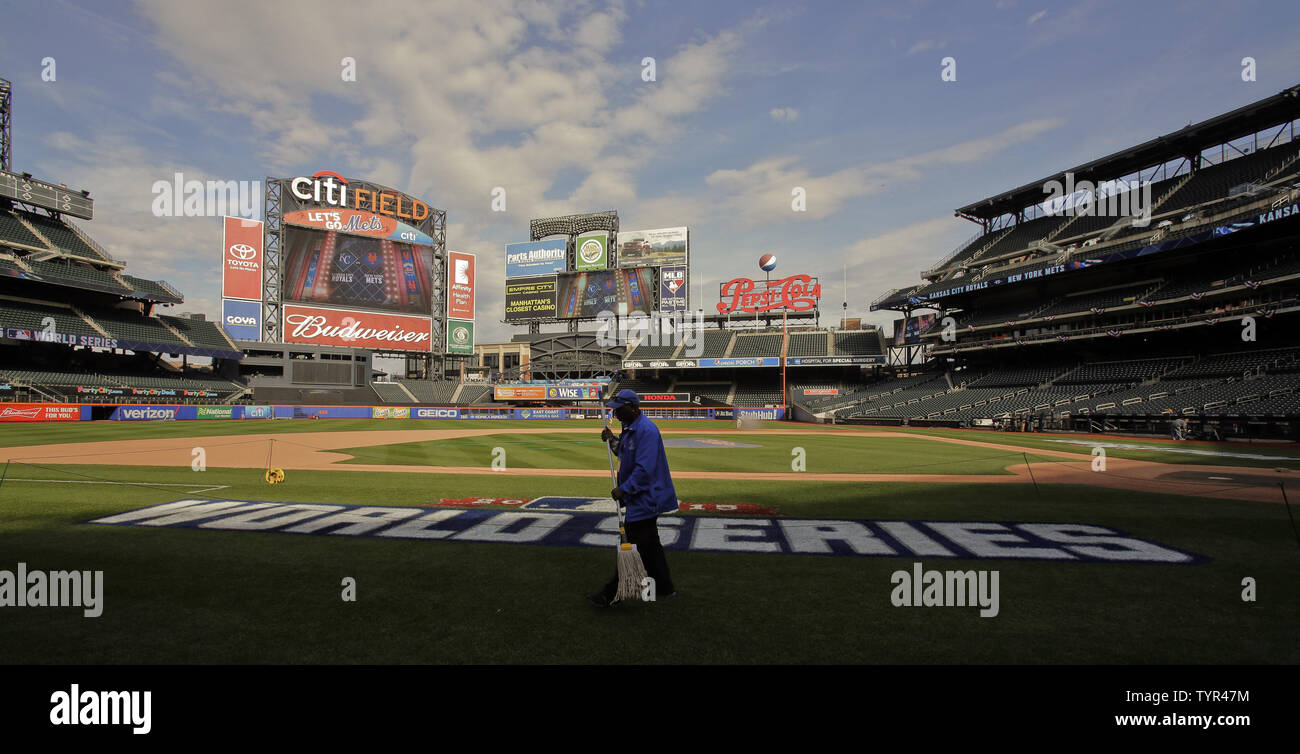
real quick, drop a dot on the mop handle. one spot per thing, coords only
(613, 479)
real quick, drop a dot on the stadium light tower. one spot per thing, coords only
(6, 130)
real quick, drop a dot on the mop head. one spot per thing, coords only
(630, 573)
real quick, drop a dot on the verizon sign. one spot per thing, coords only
(351, 329)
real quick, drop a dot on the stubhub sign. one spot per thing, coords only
(242, 320)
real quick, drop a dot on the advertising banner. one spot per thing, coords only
(672, 289)
(652, 248)
(259, 412)
(760, 361)
(537, 413)
(460, 337)
(591, 294)
(535, 258)
(352, 329)
(912, 328)
(767, 414)
(40, 412)
(570, 393)
(826, 361)
(241, 320)
(664, 397)
(460, 285)
(435, 413)
(352, 205)
(530, 298)
(797, 293)
(328, 267)
(591, 252)
(215, 412)
(241, 255)
(358, 223)
(519, 393)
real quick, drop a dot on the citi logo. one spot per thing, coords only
(77, 707)
(309, 189)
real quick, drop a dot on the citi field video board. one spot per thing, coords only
(340, 269)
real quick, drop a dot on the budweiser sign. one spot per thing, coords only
(798, 293)
(378, 330)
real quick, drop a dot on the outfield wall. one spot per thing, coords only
(47, 412)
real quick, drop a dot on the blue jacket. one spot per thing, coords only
(643, 471)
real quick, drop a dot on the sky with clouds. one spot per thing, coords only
(548, 101)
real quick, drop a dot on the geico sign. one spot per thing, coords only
(311, 326)
(237, 320)
(330, 188)
(437, 413)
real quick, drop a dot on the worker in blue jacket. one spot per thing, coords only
(644, 488)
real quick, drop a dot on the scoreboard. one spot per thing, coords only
(45, 195)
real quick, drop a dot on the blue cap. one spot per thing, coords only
(625, 397)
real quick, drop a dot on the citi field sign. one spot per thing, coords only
(326, 188)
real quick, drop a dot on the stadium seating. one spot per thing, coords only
(858, 343)
(1213, 182)
(716, 343)
(438, 392)
(808, 344)
(30, 315)
(151, 290)
(752, 346)
(1088, 302)
(62, 236)
(391, 392)
(13, 230)
(758, 391)
(127, 325)
(201, 333)
(718, 391)
(644, 352)
(78, 275)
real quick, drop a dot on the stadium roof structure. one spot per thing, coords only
(1186, 142)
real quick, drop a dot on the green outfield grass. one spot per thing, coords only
(37, 433)
(825, 454)
(192, 596)
(1281, 455)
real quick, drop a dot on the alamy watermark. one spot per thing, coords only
(192, 198)
(1118, 198)
(24, 588)
(657, 329)
(921, 588)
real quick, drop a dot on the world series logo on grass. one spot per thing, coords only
(1042, 541)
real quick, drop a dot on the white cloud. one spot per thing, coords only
(784, 114)
(761, 192)
(924, 45)
(1036, 17)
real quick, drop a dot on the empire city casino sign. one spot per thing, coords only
(798, 293)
